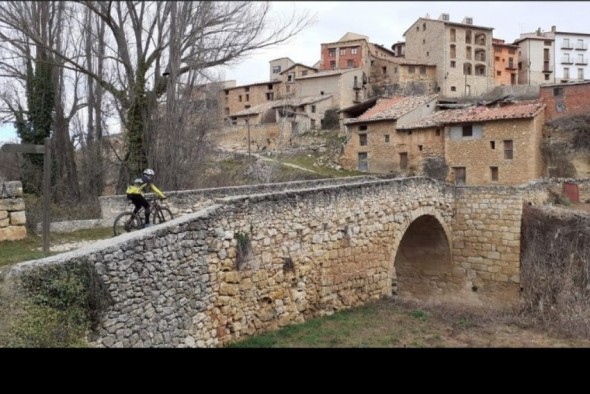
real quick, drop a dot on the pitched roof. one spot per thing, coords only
(391, 108)
(257, 109)
(327, 73)
(298, 101)
(477, 114)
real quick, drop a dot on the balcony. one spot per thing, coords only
(357, 86)
(511, 66)
(582, 61)
(567, 60)
(547, 68)
(567, 45)
(581, 46)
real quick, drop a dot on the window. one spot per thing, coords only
(353, 51)
(240, 98)
(453, 35)
(581, 59)
(342, 51)
(417, 28)
(422, 70)
(453, 89)
(333, 65)
(492, 144)
(468, 53)
(403, 160)
(290, 77)
(453, 53)
(453, 64)
(247, 89)
(566, 73)
(269, 87)
(313, 109)
(499, 73)
(411, 69)
(424, 26)
(558, 91)
(547, 43)
(269, 96)
(363, 127)
(313, 123)
(546, 77)
(386, 137)
(437, 132)
(362, 139)
(303, 73)
(497, 58)
(420, 148)
(384, 69)
(580, 73)
(423, 41)
(494, 174)
(508, 153)
(566, 43)
(349, 64)
(468, 37)
(276, 69)
(332, 52)
(467, 131)
(247, 97)
(246, 106)
(460, 175)
(288, 88)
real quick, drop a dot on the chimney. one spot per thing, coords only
(444, 17)
(553, 29)
(539, 32)
(467, 20)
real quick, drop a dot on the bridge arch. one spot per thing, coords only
(422, 264)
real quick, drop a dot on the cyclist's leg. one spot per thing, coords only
(146, 206)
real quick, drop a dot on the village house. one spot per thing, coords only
(374, 143)
(505, 62)
(462, 53)
(239, 98)
(553, 57)
(489, 145)
(565, 99)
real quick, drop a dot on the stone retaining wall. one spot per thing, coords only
(12, 211)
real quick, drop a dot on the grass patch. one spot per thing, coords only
(30, 248)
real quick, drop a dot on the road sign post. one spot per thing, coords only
(44, 150)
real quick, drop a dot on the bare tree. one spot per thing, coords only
(139, 49)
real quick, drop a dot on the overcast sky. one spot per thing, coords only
(385, 22)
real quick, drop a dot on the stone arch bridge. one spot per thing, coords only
(241, 261)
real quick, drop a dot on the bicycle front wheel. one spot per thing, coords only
(163, 215)
(125, 223)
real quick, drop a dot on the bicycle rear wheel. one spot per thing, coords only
(162, 215)
(125, 223)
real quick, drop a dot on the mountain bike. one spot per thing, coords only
(128, 221)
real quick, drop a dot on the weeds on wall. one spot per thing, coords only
(55, 306)
(558, 159)
(555, 270)
(243, 249)
(436, 168)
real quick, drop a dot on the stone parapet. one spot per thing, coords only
(12, 211)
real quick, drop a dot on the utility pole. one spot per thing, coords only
(248, 124)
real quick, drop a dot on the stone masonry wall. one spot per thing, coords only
(189, 201)
(486, 239)
(311, 252)
(12, 211)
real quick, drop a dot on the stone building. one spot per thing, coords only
(239, 98)
(489, 145)
(375, 144)
(462, 53)
(536, 64)
(565, 99)
(288, 77)
(347, 87)
(505, 62)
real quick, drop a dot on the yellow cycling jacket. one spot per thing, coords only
(139, 186)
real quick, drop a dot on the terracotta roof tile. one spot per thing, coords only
(391, 108)
(477, 114)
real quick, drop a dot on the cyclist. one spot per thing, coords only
(136, 190)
